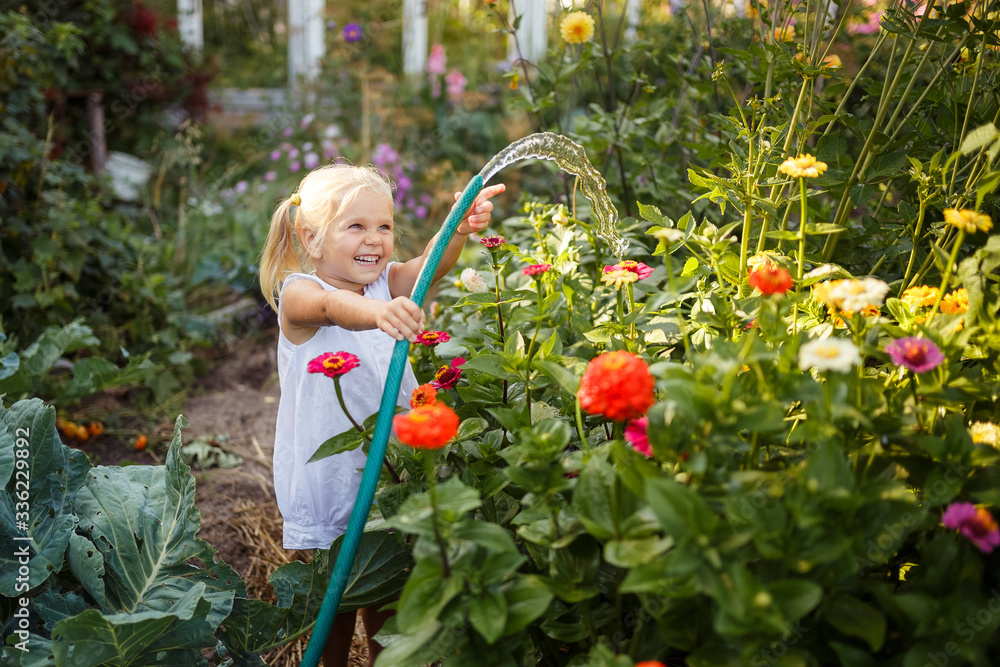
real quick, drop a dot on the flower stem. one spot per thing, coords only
(947, 275)
(343, 406)
(580, 430)
(913, 250)
(445, 567)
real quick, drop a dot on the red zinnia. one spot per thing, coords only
(427, 427)
(332, 364)
(617, 385)
(431, 338)
(425, 394)
(771, 280)
(637, 268)
(536, 269)
(448, 376)
(493, 241)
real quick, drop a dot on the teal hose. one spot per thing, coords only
(376, 453)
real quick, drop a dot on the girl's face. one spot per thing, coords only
(357, 247)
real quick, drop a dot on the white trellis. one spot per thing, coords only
(306, 29)
(414, 37)
(532, 33)
(189, 24)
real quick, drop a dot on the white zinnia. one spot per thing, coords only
(472, 281)
(829, 354)
(856, 295)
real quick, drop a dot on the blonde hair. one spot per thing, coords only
(322, 197)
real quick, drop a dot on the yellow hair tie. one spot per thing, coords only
(296, 199)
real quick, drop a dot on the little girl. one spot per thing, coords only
(356, 301)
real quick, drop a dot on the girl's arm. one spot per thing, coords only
(305, 306)
(402, 277)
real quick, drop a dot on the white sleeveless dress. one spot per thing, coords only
(315, 499)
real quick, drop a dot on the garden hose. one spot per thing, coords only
(383, 425)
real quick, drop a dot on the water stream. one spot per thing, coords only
(572, 159)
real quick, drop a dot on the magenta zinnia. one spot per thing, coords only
(448, 376)
(536, 269)
(431, 338)
(915, 354)
(493, 241)
(635, 434)
(977, 524)
(333, 364)
(638, 268)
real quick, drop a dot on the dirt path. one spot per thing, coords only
(239, 399)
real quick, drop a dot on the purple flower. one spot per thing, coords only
(285, 146)
(292, 154)
(262, 188)
(331, 25)
(311, 160)
(242, 187)
(915, 354)
(294, 167)
(275, 155)
(420, 212)
(978, 525)
(270, 176)
(307, 119)
(287, 132)
(308, 146)
(352, 32)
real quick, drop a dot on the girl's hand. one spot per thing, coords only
(478, 217)
(401, 318)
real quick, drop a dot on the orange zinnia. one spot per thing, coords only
(427, 427)
(425, 394)
(771, 280)
(617, 385)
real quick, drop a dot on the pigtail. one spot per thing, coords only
(279, 257)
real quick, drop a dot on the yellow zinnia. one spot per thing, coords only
(619, 277)
(832, 61)
(920, 296)
(955, 303)
(764, 259)
(785, 34)
(577, 28)
(968, 220)
(803, 166)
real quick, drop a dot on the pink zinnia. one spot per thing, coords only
(333, 364)
(536, 269)
(977, 524)
(436, 60)
(637, 268)
(456, 83)
(915, 354)
(448, 376)
(493, 241)
(431, 338)
(635, 434)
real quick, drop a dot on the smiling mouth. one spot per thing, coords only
(367, 260)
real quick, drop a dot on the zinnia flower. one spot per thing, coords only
(985, 433)
(619, 277)
(977, 524)
(332, 364)
(635, 435)
(955, 303)
(968, 220)
(456, 82)
(436, 60)
(915, 354)
(763, 259)
(493, 241)
(920, 297)
(577, 28)
(425, 394)
(785, 34)
(803, 166)
(829, 354)
(617, 385)
(472, 281)
(638, 268)
(851, 295)
(432, 338)
(832, 61)
(352, 32)
(771, 281)
(426, 427)
(448, 376)
(536, 269)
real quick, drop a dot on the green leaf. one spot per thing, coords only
(527, 599)
(57, 473)
(490, 364)
(650, 213)
(426, 593)
(347, 441)
(978, 138)
(593, 498)
(566, 379)
(681, 511)
(822, 228)
(488, 614)
(470, 428)
(689, 267)
(795, 597)
(39, 357)
(857, 619)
